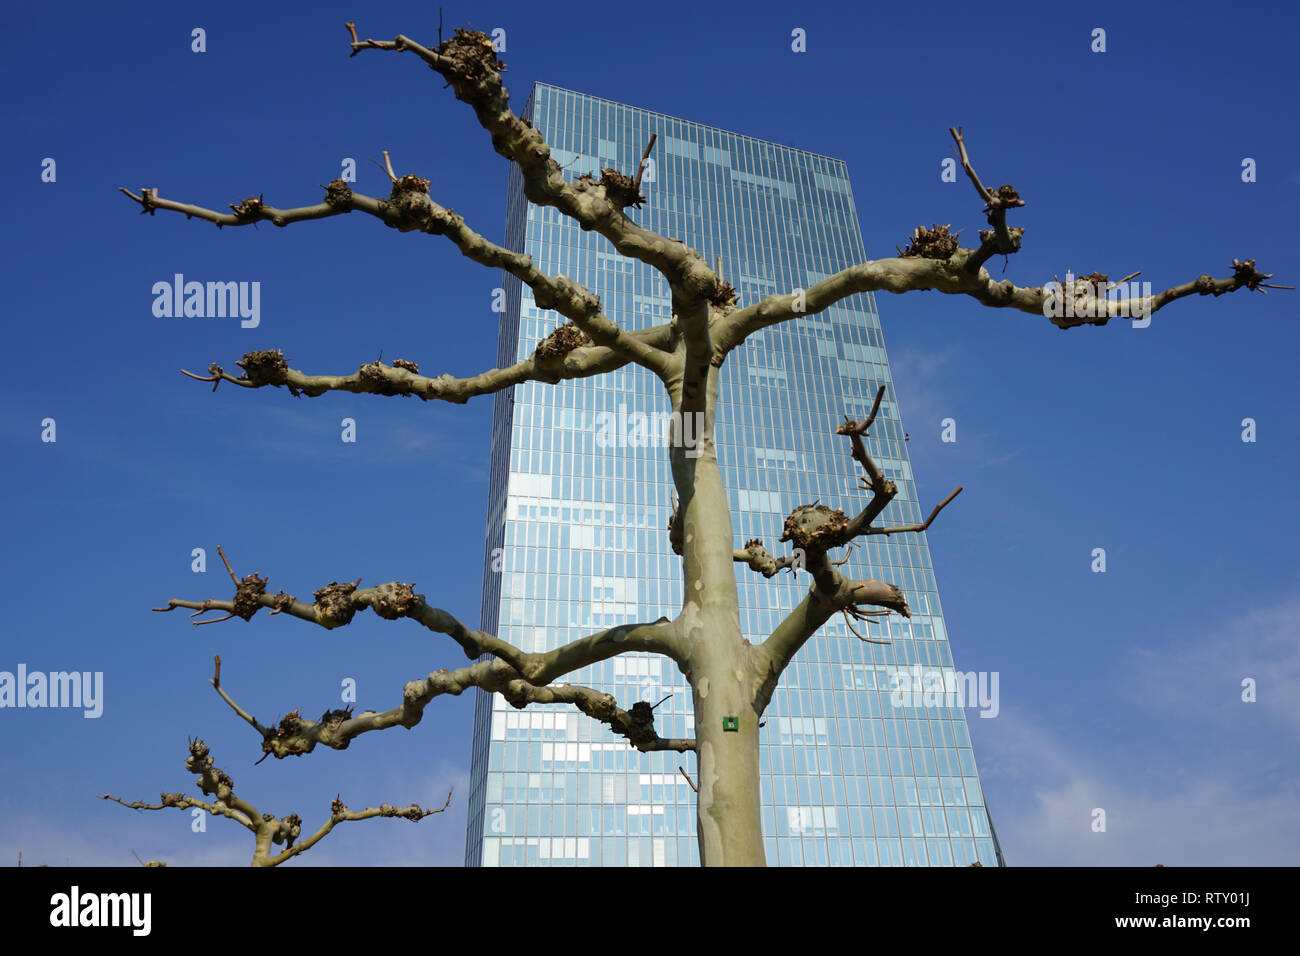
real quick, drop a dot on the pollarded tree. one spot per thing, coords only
(730, 676)
(269, 831)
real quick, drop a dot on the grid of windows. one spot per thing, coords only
(853, 774)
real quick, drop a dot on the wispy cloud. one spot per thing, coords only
(1044, 793)
(1203, 677)
(1199, 777)
(312, 434)
(919, 382)
(923, 383)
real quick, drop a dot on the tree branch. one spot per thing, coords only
(935, 261)
(183, 802)
(295, 735)
(923, 526)
(521, 676)
(950, 277)
(470, 65)
(1000, 239)
(550, 365)
(883, 490)
(409, 208)
(831, 593)
(339, 813)
(759, 559)
(816, 529)
(337, 603)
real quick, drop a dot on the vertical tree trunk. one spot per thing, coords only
(718, 664)
(730, 829)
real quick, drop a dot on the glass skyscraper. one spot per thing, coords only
(854, 773)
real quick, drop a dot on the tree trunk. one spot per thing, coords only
(718, 659)
(729, 825)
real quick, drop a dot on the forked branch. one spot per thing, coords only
(468, 62)
(815, 530)
(934, 260)
(1000, 240)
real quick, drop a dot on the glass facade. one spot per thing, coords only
(854, 773)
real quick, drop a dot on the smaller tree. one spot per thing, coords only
(268, 830)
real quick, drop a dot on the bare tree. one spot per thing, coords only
(268, 830)
(732, 679)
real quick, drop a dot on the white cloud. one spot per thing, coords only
(1042, 792)
(1194, 778)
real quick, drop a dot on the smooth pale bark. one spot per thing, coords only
(716, 658)
(730, 678)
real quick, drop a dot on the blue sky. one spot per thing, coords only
(1118, 690)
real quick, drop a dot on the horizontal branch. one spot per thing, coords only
(759, 559)
(254, 209)
(949, 277)
(935, 261)
(295, 735)
(402, 377)
(338, 602)
(339, 813)
(519, 676)
(409, 208)
(181, 801)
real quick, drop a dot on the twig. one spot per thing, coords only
(861, 615)
(214, 378)
(965, 164)
(924, 525)
(227, 564)
(636, 183)
(212, 620)
(1131, 275)
(248, 718)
